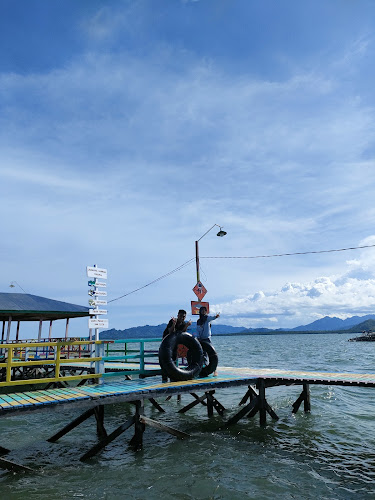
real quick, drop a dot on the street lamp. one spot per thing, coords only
(221, 233)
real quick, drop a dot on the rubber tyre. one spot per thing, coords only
(167, 354)
(213, 359)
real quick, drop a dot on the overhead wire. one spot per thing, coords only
(243, 257)
(287, 254)
(156, 280)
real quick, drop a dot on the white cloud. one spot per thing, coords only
(123, 160)
(344, 295)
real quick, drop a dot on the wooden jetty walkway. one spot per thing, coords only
(94, 398)
(129, 390)
(98, 369)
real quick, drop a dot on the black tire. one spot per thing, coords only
(213, 359)
(167, 356)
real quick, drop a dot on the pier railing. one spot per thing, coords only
(132, 358)
(19, 362)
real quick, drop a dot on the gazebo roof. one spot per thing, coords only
(26, 307)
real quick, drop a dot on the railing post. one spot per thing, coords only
(57, 364)
(9, 364)
(142, 356)
(99, 365)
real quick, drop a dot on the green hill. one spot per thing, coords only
(369, 324)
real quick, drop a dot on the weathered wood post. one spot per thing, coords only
(262, 402)
(210, 404)
(306, 401)
(136, 441)
(99, 416)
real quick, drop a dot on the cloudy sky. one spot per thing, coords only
(129, 128)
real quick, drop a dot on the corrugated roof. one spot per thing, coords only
(26, 307)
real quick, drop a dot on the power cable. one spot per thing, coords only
(154, 281)
(295, 253)
(245, 257)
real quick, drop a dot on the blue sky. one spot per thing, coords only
(129, 128)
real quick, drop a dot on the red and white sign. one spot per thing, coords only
(199, 290)
(195, 306)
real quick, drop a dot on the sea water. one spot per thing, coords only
(326, 454)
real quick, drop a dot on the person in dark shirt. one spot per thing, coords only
(175, 325)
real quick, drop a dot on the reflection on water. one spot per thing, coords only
(327, 454)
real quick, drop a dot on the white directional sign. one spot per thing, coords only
(96, 272)
(103, 285)
(98, 311)
(97, 292)
(98, 323)
(98, 302)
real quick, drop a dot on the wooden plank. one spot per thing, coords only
(13, 467)
(72, 425)
(99, 446)
(156, 405)
(193, 403)
(163, 427)
(243, 412)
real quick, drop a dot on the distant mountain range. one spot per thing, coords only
(327, 324)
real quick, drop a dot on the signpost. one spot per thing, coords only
(94, 302)
(95, 272)
(96, 322)
(98, 311)
(199, 290)
(195, 306)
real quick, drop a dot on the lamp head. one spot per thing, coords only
(221, 233)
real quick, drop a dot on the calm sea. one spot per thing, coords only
(327, 454)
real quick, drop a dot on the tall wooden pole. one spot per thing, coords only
(197, 260)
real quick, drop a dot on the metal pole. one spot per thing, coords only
(40, 331)
(66, 328)
(197, 260)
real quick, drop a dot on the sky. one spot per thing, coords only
(129, 128)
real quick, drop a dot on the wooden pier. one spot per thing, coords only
(93, 399)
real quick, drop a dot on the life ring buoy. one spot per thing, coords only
(213, 359)
(168, 355)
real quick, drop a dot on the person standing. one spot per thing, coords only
(204, 325)
(175, 325)
(204, 330)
